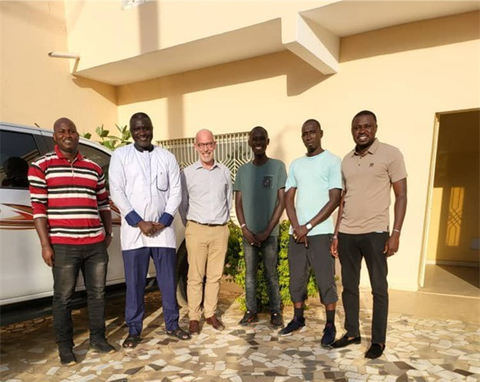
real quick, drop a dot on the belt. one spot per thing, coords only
(208, 224)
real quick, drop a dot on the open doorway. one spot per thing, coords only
(452, 247)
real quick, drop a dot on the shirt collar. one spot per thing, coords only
(371, 150)
(60, 155)
(141, 149)
(198, 164)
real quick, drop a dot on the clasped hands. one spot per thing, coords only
(255, 240)
(150, 228)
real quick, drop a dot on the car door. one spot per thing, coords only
(23, 273)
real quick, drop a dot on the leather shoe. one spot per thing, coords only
(101, 345)
(67, 357)
(345, 341)
(375, 351)
(194, 327)
(215, 323)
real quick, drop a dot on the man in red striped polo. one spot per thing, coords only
(73, 221)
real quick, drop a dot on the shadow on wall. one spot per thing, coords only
(419, 35)
(148, 20)
(300, 78)
(107, 91)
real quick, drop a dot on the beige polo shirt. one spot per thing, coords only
(367, 181)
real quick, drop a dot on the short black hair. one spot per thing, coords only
(315, 122)
(258, 128)
(139, 115)
(365, 112)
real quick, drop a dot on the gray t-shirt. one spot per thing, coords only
(259, 186)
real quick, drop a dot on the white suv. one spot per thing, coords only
(23, 274)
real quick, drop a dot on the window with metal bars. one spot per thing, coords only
(232, 150)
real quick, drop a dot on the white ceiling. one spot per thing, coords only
(342, 19)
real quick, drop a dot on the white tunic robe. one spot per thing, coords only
(149, 184)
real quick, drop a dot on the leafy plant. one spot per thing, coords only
(86, 135)
(234, 252)
(235, 268)
(111, 141)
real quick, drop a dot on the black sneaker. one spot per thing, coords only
(293, 325)
(249, 318)
(329, 334)
(276, 319)
(100, 345)
(67, 357)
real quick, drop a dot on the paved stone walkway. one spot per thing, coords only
(418, 349)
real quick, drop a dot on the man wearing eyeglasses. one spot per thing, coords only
(205, 211)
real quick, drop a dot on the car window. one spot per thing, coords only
(49, 142)
(17, 151)
(99, 157)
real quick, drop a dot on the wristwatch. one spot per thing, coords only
(309, 226)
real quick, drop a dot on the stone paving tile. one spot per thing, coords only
(420, 350)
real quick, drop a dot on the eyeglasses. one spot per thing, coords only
(202, 146)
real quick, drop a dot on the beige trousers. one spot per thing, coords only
(207, 247)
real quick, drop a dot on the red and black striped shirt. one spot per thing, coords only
(70, 195)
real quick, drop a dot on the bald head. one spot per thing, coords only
(63, 121)
(204, 135)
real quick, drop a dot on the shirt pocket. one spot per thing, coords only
(221, 188)
(162, 181)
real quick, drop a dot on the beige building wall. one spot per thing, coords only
(405, 74)
(36, 88)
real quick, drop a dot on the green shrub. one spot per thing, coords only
(234, 252)
(112, 142)
(235, 268)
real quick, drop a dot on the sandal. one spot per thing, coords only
(131, 341)
(179, 333)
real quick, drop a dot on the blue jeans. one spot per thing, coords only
(92, 259)
(269, 250)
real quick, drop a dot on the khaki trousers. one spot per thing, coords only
(207, 247)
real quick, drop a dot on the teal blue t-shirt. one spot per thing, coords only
(314, 177)
(259, 186)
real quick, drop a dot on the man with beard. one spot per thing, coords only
(369, 172)
(145, 186)
(69, 199)
(315, 180)
(206, 203)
